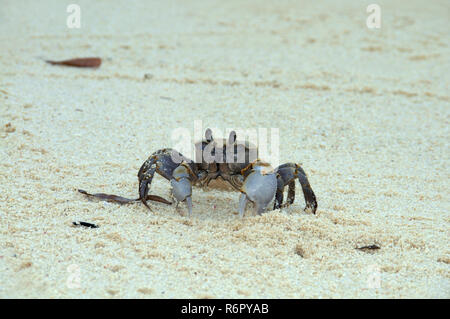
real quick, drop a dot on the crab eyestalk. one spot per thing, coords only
(260, 186)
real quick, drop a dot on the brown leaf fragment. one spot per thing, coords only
(157, 198)
(123, 200)
(79, 62)
(108, 198)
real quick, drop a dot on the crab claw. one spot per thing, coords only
(164, 162)
(260, 186)
(182, 185)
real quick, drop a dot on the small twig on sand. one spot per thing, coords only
(85, 224)
(369, 247)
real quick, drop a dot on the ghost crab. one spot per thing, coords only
(236, 163)
(232, 161)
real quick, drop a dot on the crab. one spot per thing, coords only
(231, 161)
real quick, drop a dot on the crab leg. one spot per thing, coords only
(287, 173)
(242, 204)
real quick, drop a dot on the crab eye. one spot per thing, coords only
(232, 137)
(208, 135)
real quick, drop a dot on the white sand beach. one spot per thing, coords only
(365, 111)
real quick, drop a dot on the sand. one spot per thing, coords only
(366, 112)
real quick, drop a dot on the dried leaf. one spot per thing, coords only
(79, 62)
(123, 200)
